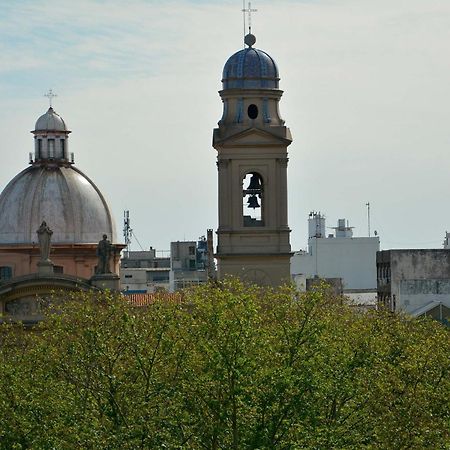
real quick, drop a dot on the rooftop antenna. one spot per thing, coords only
(249, 11)
(368, 217)
(50, 95)
(127, 230)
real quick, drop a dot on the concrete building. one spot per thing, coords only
(144, 272)
(188, 264)
(415, 281)
(338, 255)
(251, 142)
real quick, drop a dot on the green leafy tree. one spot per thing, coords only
(229, 366)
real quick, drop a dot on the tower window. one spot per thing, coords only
(252, 111)
(39, 148)
(253, 200)
(63, 150)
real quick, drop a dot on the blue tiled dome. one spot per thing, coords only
(250, 68)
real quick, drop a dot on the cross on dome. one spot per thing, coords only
(50, 95)
(249, 11)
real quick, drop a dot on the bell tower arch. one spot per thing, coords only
(251, 142)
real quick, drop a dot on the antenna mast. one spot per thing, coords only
(368, 217)
(127, 231)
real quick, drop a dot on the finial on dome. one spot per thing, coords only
(248, 11)
(50, 95)
(250, 39)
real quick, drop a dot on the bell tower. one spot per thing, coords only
(251, 142)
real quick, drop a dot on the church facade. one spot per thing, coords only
(251, 142)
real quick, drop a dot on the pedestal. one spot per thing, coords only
(45, 268)
(109, 281)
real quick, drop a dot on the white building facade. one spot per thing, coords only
(144, 272)
(338, 255)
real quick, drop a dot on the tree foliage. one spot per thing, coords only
(229, 367)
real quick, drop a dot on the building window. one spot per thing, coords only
(192, 250)
(253, 200)
(5, 273)
(252, 111)
(192, 264)
(162, 277)
(58, 269)
(128, 276)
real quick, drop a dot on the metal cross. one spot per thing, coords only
(50, 96)
(249, 11)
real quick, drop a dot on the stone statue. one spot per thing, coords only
(104, 253)
(44, 236)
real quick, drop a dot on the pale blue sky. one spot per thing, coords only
(366, 97)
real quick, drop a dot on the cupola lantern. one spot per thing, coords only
(51, 139)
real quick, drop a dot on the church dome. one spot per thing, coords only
(250, 68)
(64, 197)
(54, 191)
(50, 121)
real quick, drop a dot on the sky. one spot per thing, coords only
(366, 96)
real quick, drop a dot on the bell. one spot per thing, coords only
(255, 183)
(253, 202)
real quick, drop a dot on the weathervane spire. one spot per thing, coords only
(248, 11)
(50, 95)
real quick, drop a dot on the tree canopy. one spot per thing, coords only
(228, 367)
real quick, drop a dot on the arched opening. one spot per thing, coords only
(252, 111)
(253, 200)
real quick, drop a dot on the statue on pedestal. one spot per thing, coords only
(104, 278)
(44, 237)
(104, 249)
